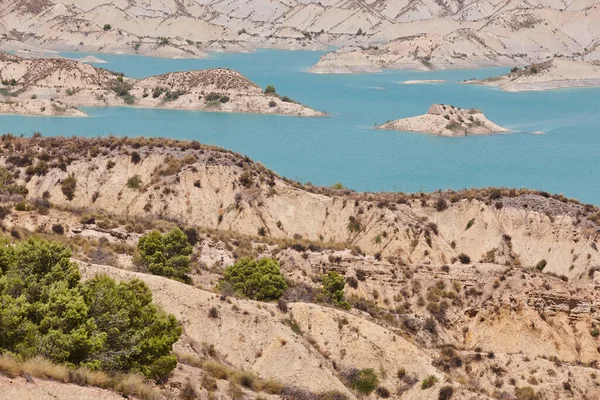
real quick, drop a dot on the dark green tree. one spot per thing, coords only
(333, 289)
(136, 336)
(255, 279)
(47, 311)
(166, 255)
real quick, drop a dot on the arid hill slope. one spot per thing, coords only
(493, 291)
(220, 190)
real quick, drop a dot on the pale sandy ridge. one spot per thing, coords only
(554, 74)
(447, 120)
(53, 86)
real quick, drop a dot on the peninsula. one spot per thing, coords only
(54, 86)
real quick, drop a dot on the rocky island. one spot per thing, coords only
(55, 86)
(553, 74)
(447, 120)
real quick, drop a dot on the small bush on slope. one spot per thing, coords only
(333, 289)
(255, 279)
(363, 380)
(166, 255)
(100, 324)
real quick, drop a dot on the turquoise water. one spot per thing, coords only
(345, 148)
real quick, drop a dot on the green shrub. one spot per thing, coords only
(470, 224)
(333, 289)
(135, 157)
(255, 279)
(135, 182)
(541, 265)
(165, 255)
(270, 89)
(107, 27)
(464, 259)
(364, 380)
(68, 186)
(446, 393)
(428, 382)
(441, 204)
(98, 324)
(212, 96)
(246, 179)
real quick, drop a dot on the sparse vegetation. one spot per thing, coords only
(364, 381)
(464, 259)
(428, 382)
(541, 265)
(135, 182)
(333, 289)
(68, 186)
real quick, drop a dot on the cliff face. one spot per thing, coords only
(447, 120)
(495, 284)
(29, 84)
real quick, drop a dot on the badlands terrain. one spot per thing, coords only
(56, 86)
(446, 120)
(475, 294)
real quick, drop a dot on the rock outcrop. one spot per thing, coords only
(447, 120)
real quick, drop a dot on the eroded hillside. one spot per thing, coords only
(449, 34)
(491, 292)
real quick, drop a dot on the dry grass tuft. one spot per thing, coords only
(42, 368)
(135, 385)
(9, 366)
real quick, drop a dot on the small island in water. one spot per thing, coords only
(447, 120)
